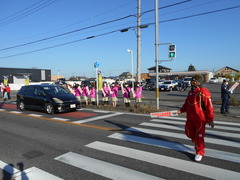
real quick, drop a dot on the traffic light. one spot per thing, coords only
(172, 51)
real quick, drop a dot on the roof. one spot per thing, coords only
(125, 73)
(159, 67)
(228, 68)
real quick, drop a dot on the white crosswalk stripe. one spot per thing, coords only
(183, 123)
(164, 129)
(103, 168)
(174, 127)
(187, 166)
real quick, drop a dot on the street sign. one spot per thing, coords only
(96, 64)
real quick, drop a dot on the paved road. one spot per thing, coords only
(93, 144)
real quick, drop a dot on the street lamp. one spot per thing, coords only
(131, 52)
(58, 75)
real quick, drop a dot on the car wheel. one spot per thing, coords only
(21, 106)
(49, 108)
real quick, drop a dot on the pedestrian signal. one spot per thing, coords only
(172, 51)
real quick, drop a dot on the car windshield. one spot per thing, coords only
(54, 90)
(167, 82)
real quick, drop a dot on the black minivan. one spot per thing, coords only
(49, 98)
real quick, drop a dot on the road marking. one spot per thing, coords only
(101, 111)
(8, 168)
(36, 115)
(176, 146)
(67, 122)
(16, 112)
(30, 173)
(173, 163)
(216, 122)
(183, 136)
(183, 123)
(36, 174)
(208, 132)
(97, 118)
(60, 119)
(2, 109)
(103, 168)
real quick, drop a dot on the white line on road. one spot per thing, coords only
(97, 118)
(174, 163)
(183, 123)
(36, 115)
(16, 112)
(176, 146)
(183, 136)
(176, 127)
(61, 119)
(34, 173)
(216, 122)
(103, 168)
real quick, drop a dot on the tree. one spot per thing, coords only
(199, 77)
(191, 68)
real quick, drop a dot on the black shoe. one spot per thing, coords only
(223, 113)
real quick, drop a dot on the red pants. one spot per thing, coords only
(195, 130)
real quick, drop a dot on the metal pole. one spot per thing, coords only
(139, 42)
(132, 68)
(156, 52)
(97, 85)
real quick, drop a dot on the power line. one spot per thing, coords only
(107, 33)
(26, 12)
(77, 30)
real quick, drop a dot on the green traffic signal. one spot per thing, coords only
(171, 54)
(172, 51)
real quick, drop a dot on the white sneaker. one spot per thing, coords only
(198, 157)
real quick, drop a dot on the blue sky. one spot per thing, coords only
(208, 42)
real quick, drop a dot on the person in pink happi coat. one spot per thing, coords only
(105, 93)
(126, 90)
(93, 91)
(113, 93)
(137, 93)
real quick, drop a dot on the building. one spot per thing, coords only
(125, 75)
(161, 69)
(226, 71)
(165, 73)
(18, 75)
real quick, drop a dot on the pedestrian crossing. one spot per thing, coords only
(163, 135)
(161, 128)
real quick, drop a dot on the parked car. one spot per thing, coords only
(49, 98)
(168, 85)
(213, 80)
(187, 81)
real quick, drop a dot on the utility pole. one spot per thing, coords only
(156, 52)
(139, 41)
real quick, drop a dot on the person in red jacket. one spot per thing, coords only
(199, 110)
(7, 93)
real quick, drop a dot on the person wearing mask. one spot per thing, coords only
(225, 97)
(199, 111)
(92, 92)
(126, 90)
(137, 93)
(85, 93)
(105, 93)
(113, 93)
(77, 92)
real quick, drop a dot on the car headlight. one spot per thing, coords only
(57, 100)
